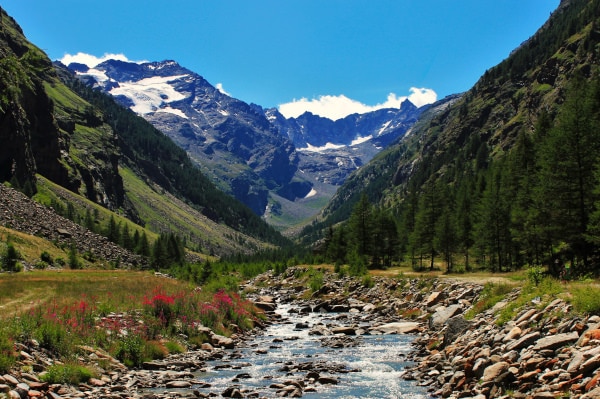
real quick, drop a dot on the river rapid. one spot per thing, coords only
(369, 366)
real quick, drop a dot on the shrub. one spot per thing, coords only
(72, 374)
(130, 350)
(174, 347)
(41, 265)
(316, 281)
(586, 299)
(367, 281)
(7, 354)
(535, 274)
(46, 257)
(10, 258)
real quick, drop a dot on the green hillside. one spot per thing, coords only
(506, 176)
(85, 143)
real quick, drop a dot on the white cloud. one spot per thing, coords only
(91, 60)
(219, 87)
(337, 107)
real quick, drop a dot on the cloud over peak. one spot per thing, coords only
(337, 107)
(91, 60)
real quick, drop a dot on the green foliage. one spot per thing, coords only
(586, 299)
(315, 282)
(74, 262)
(535, 274)
(10, 258)
(69, 373)
(174, 347)
(46, 257)
(367, 281)
(7, 352)
(162, 161)
(491, 295)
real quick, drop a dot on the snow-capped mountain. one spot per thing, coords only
(230, 141)
(279, 167)
(331, 150)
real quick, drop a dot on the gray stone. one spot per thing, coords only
(555, 341)
(442, 314)
(456, 326)
(524, 341)
(178, 384)
(494, 371)
(344, 330)
(401, 327)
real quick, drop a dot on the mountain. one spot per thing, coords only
(504, 173)
(231, 142)
(93, 149)
(331, 150)
(284, 169)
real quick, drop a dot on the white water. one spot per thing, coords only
(380, 359)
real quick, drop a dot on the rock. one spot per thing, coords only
(9, 379)
(594, 394)
(403, 327)
(232, 392)
(222, 341)
(494, 371)
(586, 337)
(456, 326)
(433, 298)
(524, 341)
(328, 380)
(514, 333)
(179, 384)
(441, 316)
(555, 341)
(344, 330)
(267, 306)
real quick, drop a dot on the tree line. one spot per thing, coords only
(539, 204)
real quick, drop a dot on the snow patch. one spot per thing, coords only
(150, 94)
(312, 193)
(385, 126)
(97, 74)
(223, 112)
(174, 111)
(360, 140)
(328, 146)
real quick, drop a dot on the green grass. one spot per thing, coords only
(163, 212)
(585, 298)
(492, 294)
(69, 308)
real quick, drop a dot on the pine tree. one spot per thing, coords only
(361, 227)
(568, 161)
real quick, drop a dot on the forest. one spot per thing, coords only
(537, 204)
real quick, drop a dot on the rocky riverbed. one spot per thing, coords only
(545, 351)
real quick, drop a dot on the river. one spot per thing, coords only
(371, 369)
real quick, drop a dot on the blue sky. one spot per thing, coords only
(326, 55)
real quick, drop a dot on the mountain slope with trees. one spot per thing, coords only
(506, 176)
(54, 126)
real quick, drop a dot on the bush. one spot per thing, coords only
(316, 281)
(46, 257)
(10, 257)
(130, 350)
(41, 265)
(174, 347)
(72, 374)
(367, 281)
(7, 354)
